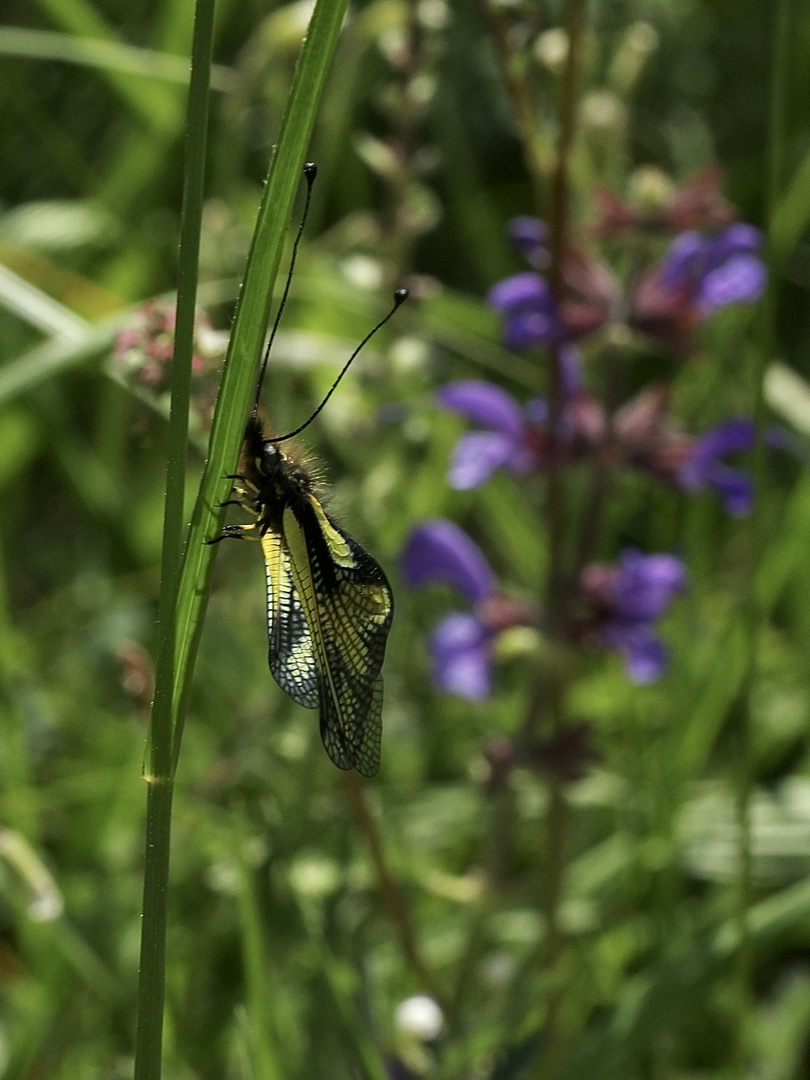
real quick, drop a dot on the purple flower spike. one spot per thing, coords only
(461, 647)
(440, 551)
(703, 467)
(529, 309)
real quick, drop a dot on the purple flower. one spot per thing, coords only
(509, 441)
(516, 438)
(648, 439)
(697, 275)
(588, 298)
(461, 648)
(703, 468)
(461, 645)
(439, 550)
(629, 597)
(716, 270)
(530, 311)
(530, 237)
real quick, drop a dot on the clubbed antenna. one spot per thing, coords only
(400, 296)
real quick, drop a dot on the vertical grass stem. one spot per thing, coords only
(159, 772)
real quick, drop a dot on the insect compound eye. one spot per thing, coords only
(270, 455)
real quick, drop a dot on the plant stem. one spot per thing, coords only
(262, 1041)
(159, 768)
(559, 215)
(389, 887)
(557, 818)
(152, 972)
(513, 69)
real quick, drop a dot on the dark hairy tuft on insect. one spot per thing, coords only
(294, 456)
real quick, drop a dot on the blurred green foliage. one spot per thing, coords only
(287, 957)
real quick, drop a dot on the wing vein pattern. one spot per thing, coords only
(329, 613)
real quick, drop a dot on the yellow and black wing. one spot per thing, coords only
(347, 608)
(292, 660)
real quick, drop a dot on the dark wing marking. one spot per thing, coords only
(348, 607)
(292, 660)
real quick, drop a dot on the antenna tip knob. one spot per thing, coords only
(310, 171)
(400, 296)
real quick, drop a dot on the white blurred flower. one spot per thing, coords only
(419, 1017)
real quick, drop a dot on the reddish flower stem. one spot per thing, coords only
(390, 892)
(555, 1038)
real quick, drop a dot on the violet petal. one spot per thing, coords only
(683, 258)
(438, 550)
(529, 309)
(645, 584)
(728, 437)
(461, 650)
(484, 403)
(734, 487)
(702, 468)
(645, 657)
(737, 239)
(738, 280)
(521, 290)
(478, 454)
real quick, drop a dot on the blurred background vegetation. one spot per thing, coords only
(292, 940)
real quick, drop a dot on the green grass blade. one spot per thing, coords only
(105, 55)
(152, 975)
(156, 103)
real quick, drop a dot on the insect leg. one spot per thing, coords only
(235, 532)
(240, 502)
(238, 476)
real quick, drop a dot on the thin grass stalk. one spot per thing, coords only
(513, 72)
(362, 1048)
(158, 771)
(261, 1033)
(754, 612)
(390, 891)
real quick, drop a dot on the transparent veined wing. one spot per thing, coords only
(292, 660)
(348, 607)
